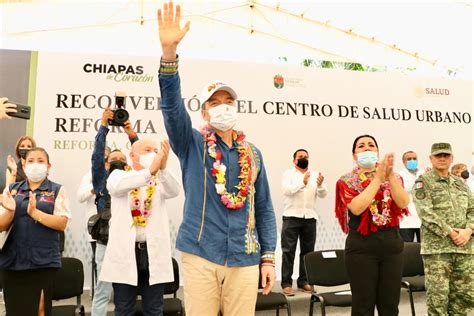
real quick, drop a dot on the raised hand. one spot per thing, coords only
(320, 179)
(12, 164)
(8, 202)
(388, 165)
(127, 127)
(169, 29)
(32, 204)
(380, 170)
(6, 108)
(159, 162)
(306, 177)
(106, 116)
(165, 151)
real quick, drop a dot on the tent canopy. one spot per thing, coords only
(432, 39)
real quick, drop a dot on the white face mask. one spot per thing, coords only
(223, 117)
(36, 172)
(147, 159)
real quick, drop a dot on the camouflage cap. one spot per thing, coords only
(441, 148)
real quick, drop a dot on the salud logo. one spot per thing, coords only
(278, 81)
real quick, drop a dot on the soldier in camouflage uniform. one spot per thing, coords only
(446, 208)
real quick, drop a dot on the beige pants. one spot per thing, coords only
(210, 287)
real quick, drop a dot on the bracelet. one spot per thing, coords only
(268, 259)
(169, 67)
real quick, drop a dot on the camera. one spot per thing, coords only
(120, 114)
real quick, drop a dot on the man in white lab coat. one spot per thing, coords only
(138, 254)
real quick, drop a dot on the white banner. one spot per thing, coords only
(282, 108)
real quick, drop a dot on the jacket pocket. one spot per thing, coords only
(44, 256)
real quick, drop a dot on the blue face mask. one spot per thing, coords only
(412, 164)
(367, 159)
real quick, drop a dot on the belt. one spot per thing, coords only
(140, 245)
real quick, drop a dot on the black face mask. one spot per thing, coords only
(302, 163)
(22, 152)
(465, 174)
(116, 164)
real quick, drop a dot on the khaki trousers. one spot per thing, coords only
(210, 287)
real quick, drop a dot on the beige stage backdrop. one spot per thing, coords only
(281, 109)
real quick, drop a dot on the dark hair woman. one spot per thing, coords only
(370, 201)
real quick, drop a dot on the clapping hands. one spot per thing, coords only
(8, 202)
(384, 170)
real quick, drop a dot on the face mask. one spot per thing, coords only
(36, 172)
(302, 163)
(23, 152)
(147, 159)
(465, 174)
(367, 159)
(117, 164)
(412, 164)
(223, 117)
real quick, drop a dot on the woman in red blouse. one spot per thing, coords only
(370, 201)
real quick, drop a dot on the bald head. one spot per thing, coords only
(144, 146)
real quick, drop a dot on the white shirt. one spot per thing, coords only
(470, 183)
(411, 220)
(119, 263)
(84, 195)
(300, 199)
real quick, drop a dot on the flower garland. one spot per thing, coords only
(381, 200)
(140, 214)
(230, 200)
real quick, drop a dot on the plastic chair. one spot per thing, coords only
(172, 305)
(326, 268)
(69, 282)
(271, 301)
(413, 271)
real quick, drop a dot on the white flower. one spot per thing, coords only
(220, 188)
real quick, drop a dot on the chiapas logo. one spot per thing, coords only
(119, 73)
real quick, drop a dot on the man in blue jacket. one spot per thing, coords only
(229, 226)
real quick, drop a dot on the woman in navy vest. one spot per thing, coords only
(34, 211)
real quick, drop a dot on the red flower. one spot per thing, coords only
(240, 137)
(135, 213)
(214, 172)
(364, 184)
(378, 196)
(218, 155)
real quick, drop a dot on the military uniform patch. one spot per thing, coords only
(419, 185)
(420, 195)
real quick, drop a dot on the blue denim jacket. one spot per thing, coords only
(209, 229)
